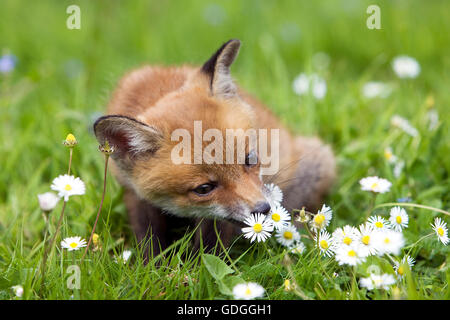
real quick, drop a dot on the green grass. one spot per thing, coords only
(64, 78)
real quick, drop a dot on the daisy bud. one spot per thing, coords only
(95, 239)
(287, 285)
(47, 201)
(303, 218)
(106, 148)
(18, 290)
(70, 141)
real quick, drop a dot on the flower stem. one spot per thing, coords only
(49, 246)
(99, 209)
(372, 206)
(70, 160)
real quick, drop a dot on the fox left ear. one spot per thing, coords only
(218, 69)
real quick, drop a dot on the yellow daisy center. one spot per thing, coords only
(257, 227)
(352, 253)
(324, 244)
(366, 240)
(287, 235)
(440, 231)
(347, 240)
(70, 138)
(73, 245)
(276, 217)
(248, 291)
(374, 185)
(388, 155)
(401, 270)
(398, 219)
(68, 187)
(319, 219)
(379, 224)
(387, 240)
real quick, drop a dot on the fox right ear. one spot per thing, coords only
(131, 138)
(217, 68)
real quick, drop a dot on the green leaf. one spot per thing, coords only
(226, 285)
(216, 267)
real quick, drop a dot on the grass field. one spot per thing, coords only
(62, 81)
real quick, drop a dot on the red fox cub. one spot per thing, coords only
(166, 184)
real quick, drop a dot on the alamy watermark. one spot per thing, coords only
(230, 149)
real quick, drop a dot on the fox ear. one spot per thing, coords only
(130, 138)
(218, 69)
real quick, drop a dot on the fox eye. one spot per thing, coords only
(204, 189)
(251, 159)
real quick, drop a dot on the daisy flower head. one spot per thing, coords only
(375, 184)
(279, 217)
(67, 186)
(378, 223)
(259, 228)
(73, 243)
(47, 201)
(273, 194)
(398, 219)
(298, 248)
(389, 241)
(376, 281)
(350, 255)
(440, 227)
(248, 291)
(406, 262)
(325, 243)
(305, 83)
(406, 67)
(288, 235)
(18, 290)
(345, 236)
(126, 254)
(405, 125)
(389, 156)
(374, 89)
(322, 219)
(366, 241)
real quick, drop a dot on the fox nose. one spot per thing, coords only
(261, 207)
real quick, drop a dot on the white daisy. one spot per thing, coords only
(389, 241)
(73, 243)
(18, 290)
(366, 241)
(349, 254)
(259, 227)
(398, 168)
(322, 219)
(378, 223)
(313, 83)
(325, 243)
(389, 156)
(273, 194)
(47, 201)
(406, 262)
(375, 184)
(406, 67)
(405, 125)
(374, 89)
(126, 254)
(298, 248)
(375, 281)
(279, 217)
(288, 235)
(345, 236)
(248, 291)
(440, 227)
(67, 186)
(398, 219)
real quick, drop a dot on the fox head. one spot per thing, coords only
(144, 147)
